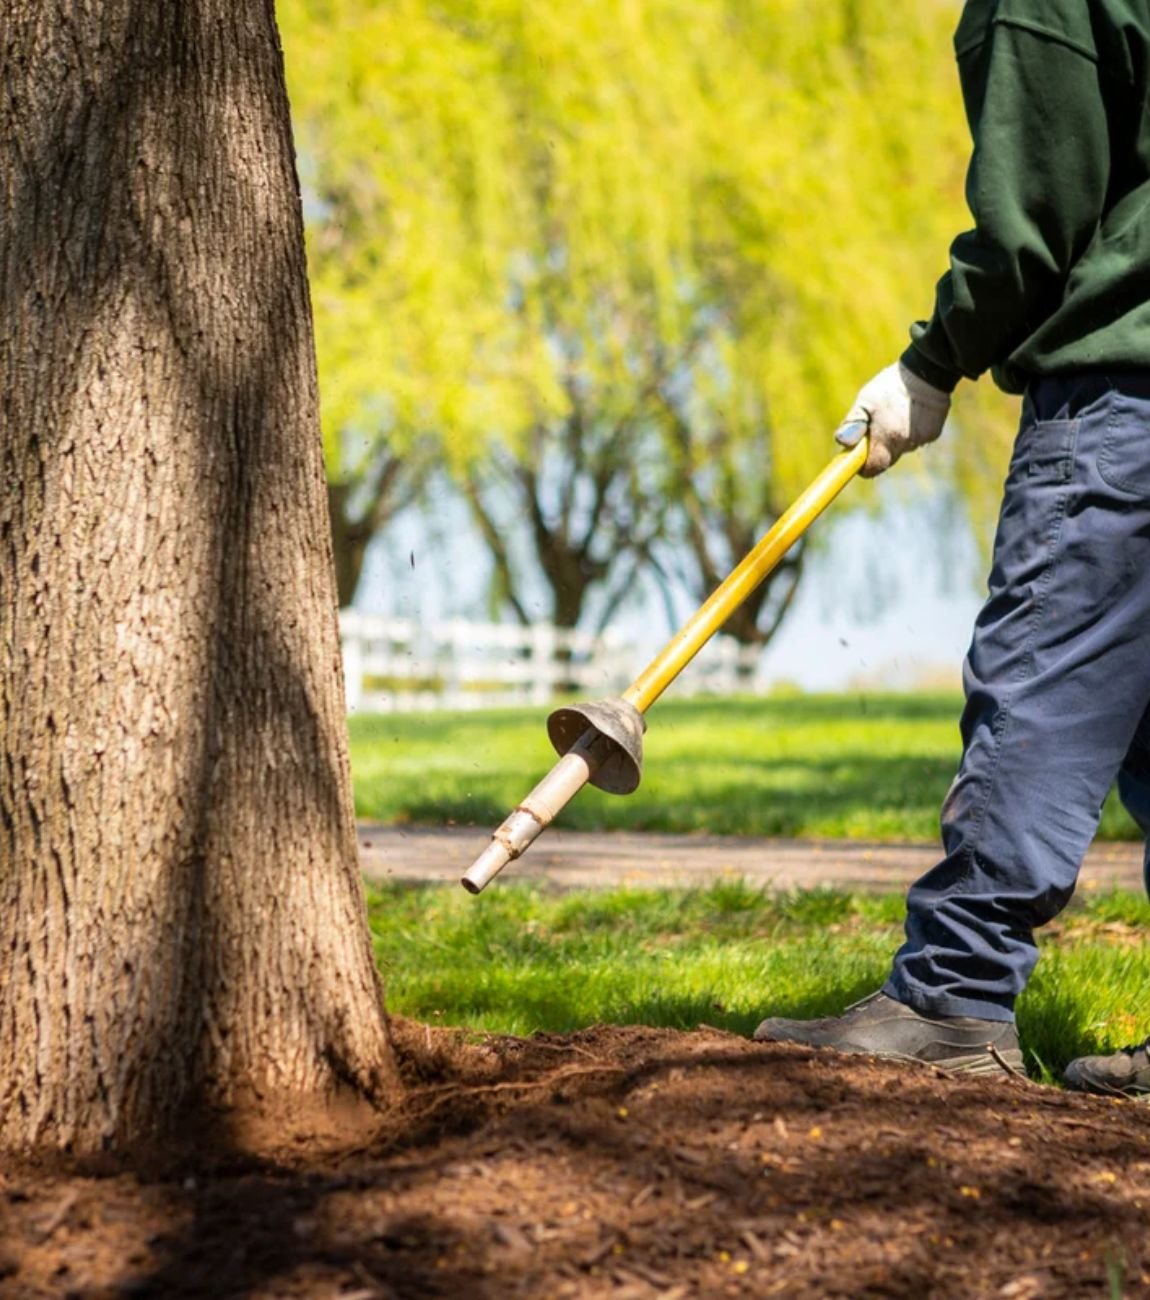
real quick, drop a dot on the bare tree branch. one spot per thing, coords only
(496, 545)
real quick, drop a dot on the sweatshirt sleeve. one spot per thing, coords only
(1036, 188)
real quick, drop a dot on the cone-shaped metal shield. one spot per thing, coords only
(621, 723)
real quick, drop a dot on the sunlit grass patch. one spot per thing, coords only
(839, 766)
(522, 959)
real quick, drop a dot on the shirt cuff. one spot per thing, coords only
(936, 376)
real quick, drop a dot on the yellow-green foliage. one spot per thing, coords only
(493, 172)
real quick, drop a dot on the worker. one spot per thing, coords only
(1050, 291)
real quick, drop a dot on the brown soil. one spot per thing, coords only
(629, 1163)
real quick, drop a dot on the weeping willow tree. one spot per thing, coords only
(619, 267)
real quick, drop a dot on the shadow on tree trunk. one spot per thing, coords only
(183, 921)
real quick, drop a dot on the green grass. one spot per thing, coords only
(849, 766)
(521, 959)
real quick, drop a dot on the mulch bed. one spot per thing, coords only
(631, 1163)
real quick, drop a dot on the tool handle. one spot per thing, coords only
(744, 578)
(539, 809)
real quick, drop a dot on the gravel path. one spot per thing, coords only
(577, 859)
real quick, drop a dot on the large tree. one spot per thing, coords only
(182, 927)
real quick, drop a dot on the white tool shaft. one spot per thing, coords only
(535, 813)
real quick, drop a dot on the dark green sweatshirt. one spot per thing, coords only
(1055, 275)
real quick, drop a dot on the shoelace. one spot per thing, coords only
(862, 1002)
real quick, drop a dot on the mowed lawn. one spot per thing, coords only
(520, 959)
(852, 765)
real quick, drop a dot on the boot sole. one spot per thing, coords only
(1002, 1062)
(982, 1063)
(1090, 1088)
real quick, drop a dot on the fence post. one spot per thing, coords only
(543, 646)
(455, 670)
(521, 665)
(351, 635)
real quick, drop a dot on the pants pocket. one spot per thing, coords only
(1047, 447)
(1033, 505)
(1029, 526)
(1124, 459)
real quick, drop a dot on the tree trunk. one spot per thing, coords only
(182, 926)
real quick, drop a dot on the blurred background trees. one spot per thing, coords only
(615, 270)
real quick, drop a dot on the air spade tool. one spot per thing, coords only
(601, 742)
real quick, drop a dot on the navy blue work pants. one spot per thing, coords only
(1057, 697)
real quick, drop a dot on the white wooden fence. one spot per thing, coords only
(393, 665)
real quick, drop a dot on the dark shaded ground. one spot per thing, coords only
(630, 1163)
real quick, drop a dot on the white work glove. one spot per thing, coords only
(900, 411)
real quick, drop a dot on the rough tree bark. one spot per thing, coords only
(181, 916)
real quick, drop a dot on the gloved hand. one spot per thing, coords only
(900, 411)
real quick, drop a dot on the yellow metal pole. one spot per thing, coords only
(742, 580)
(595, 747)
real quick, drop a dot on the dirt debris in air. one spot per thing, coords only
(628, 1163)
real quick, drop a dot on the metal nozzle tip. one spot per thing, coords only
(486, 867)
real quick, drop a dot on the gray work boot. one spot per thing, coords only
(1124, 1073)
(880, 1026)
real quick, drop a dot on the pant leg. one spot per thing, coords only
(1134, 787)
(1057, 679)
